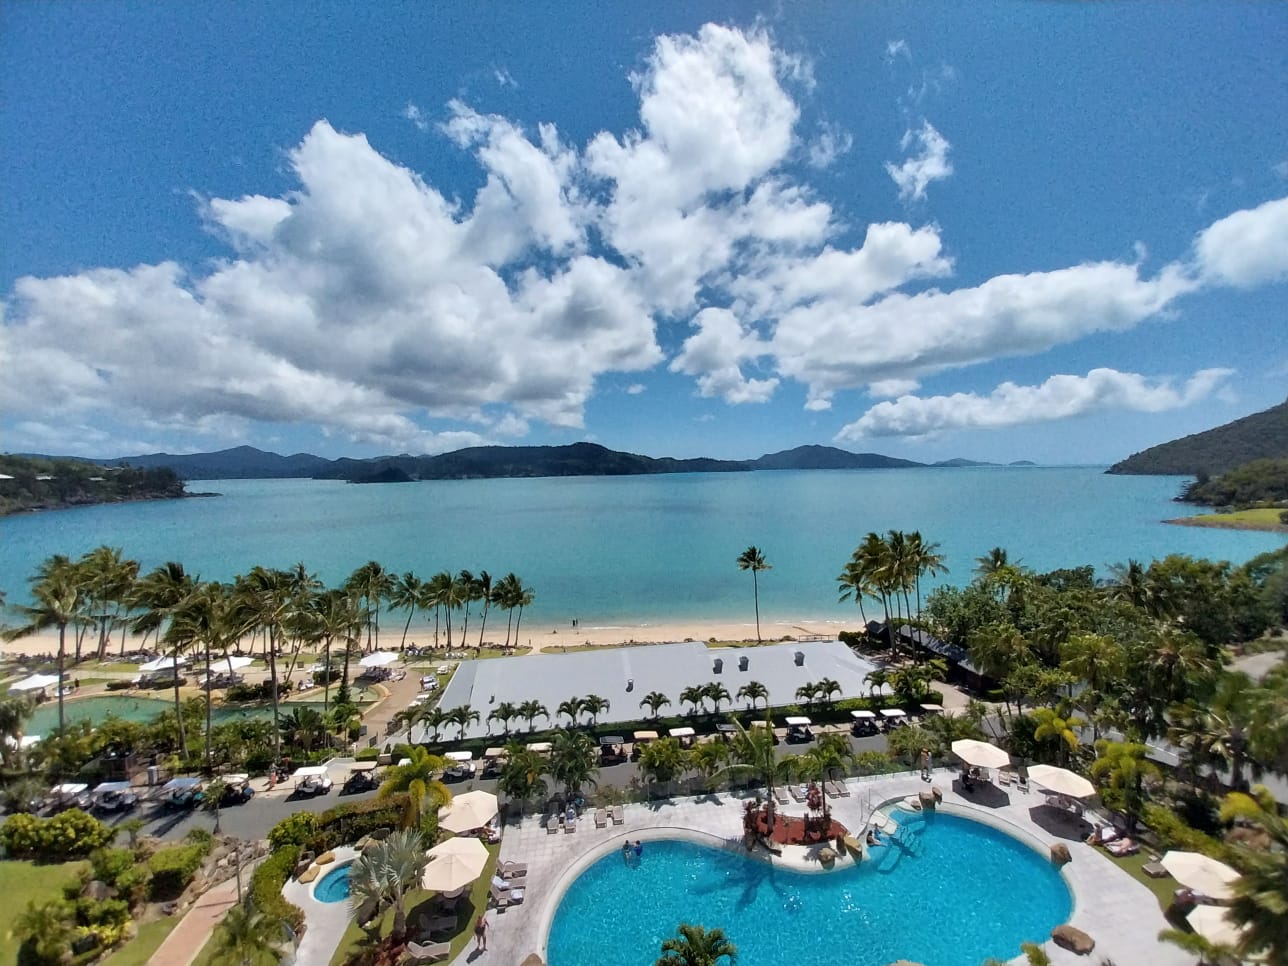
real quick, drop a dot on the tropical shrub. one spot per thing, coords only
(293, 830)
(46, 929)
(68, 835)
(1174, 833)
(173, 867)
(352, 820)
(876, 763)
(367, 754)
(266, 886)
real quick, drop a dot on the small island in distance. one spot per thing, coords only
(32, 483)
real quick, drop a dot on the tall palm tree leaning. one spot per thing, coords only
(56, 600)
(695, 946)
(246, 937)
(754, 560)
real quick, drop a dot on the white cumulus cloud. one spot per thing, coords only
(928, 162)
(1060, 397)
(1246, 248)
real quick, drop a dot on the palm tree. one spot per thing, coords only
(303, 727)
(267, 595)
(572, 708)
(709, 758)
(573, 756)
(1059, 729)
(246, 937)
(56, 599)
(993, 562)
(373, 584)
(663, 760)
(109, 580)
(653, 701)
(433, 719)
(504, 712)
(594, 706)
(806, 694)
(463, 716)
(15, 709)
(1261, 894)
(753, 754)
(384, 875)
(831, 753)
(923, 558)
(208, 615)
(695, 946)
(754, 560)
(531, 710)
(876, 679)
(418, 778)
(694, 695)
(437, 593)
(465, 593)
(406, 594)
(1221, 733)
(716, 692)
(826, 690)
(336, 612)
(1123, 768)
(521, 775)
(752, 692)
(483, 586)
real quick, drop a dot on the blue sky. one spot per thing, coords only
(1052, 231)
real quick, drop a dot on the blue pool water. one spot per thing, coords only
(948, 892)
(334, 886)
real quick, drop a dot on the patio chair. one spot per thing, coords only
(504, 898)
(570, 826)
(797, 795)
(843, 788)
(1004, 778)
(601, 818)
(832, 788)
(619, 815)
(512, 870)
(780, 796)
(1022, 783)
(429, 925)
(428, 953)
(552, 825)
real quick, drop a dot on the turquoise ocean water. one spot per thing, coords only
(624, 551)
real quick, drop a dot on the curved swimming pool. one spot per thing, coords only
(334, 886)
(946, 891)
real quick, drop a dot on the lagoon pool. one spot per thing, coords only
(947, 891)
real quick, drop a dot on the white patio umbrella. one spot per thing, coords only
(454, 864)
(1202, 874)
(1213, 924)
(37, 682)
(234, 662)
(379, 659)
(980, 753)
(1061, 781)
(469, 811)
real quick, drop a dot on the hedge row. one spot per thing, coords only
(266, 887)
(68, 835)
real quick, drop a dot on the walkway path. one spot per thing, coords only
(183, 944)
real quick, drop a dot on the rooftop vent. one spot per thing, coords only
(743, 662)
(717, 665)
(630, 684)
(800, 658)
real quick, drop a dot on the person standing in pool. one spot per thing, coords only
(639, 849)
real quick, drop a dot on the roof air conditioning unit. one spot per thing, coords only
(800, 658)
(717, 665)
(630, 684)
(743, 662)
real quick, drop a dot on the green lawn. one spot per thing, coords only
(1264, 518)
(139, 950)
(23, 882)
(417, 903)
(1133, 865)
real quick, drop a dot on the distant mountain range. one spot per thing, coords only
(491, 462)
(1262, 435)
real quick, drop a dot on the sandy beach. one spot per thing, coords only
(540, 639)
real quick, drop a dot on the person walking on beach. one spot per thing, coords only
(480, 934)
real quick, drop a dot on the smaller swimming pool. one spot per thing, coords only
(334, 886)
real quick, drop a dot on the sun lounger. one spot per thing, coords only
(797, 795)
(512, 870)
(429, 952)
(1022, 783)
(780, 796)
(570, 825)
(1004, 778)
(1122, 848)
(619, 815)
(1155, 870)
(601, 818)
(833, 789)
(843, 788)
(552, 825)
(503, 898)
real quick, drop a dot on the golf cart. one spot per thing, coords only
(237, 790)
(111, 797)
(798, 730)
(312, 780)
(362, 778)
(182, 793)
(461, 768)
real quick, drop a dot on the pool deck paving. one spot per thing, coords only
(1119, 913)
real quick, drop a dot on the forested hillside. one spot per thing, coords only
(45, 484)
(1258, 483)
(1262, 435)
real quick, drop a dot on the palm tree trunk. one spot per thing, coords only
(62, 660)
(517, 622)
(178, 717)
(755, 590)
(326, 676)
(483, 621)
(272, 675)
(210, 761)
(411, 612)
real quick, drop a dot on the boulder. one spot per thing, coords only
(1074, 940)
(827, 855)
(534, 960)
(1060, 854)
(937, 792)
(927, 799)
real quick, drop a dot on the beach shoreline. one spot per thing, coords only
(542, 639)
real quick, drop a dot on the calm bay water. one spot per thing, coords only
(630, 550)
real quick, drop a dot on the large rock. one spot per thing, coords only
(534, 960)
(827, 855)
(927, 799)
(1074, 940)
(1060, 854)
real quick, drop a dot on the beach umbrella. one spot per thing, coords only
(1061, 781)
(379, 659)
(980, 753)
(1213, 924)
(454, 864)
(1201, 873)
(469, 811)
